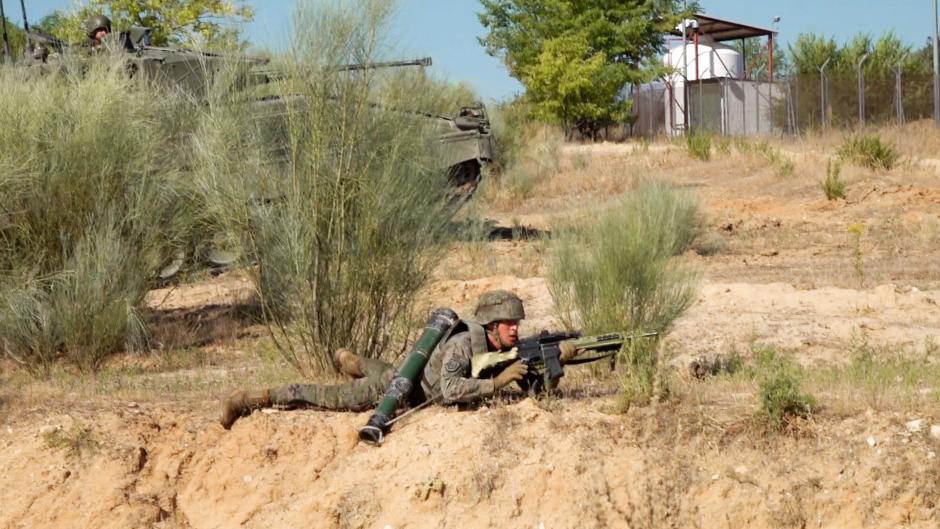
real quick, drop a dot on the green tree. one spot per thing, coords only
(809, 52)
(756, 59)
(208, 22)
(574, 87)
(575, 56)
(852, 52)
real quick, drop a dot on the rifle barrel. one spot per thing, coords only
(607, 342)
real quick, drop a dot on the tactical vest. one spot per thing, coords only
(478, 342)
(432, 372)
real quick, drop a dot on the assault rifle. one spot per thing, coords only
(542, 354)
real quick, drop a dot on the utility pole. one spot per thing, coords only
(7, 54)
(936, 70)
(29, 43)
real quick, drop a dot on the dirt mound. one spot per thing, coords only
(521, 464)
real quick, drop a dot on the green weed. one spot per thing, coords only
(858, 259)
(780, 394)
(869, 151)
(699, 146)
(76, 441)
(832, 186)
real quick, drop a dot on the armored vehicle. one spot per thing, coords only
(463, 144)
(465, 140)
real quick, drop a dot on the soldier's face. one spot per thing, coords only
(508, 332)
(100, 34)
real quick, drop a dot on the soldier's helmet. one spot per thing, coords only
(496, 305)
(96, 22)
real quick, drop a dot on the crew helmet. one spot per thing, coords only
(496, 305)
(96, 22)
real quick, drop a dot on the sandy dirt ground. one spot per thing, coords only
(780, 266)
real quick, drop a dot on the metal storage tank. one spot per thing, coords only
(714, 60)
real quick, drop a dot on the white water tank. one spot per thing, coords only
(714, 60)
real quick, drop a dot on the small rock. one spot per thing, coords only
(914, 426)
(871, 441)
(715, 477)
(9, 430)
(769, 253)
(49, 429)
(935, 431)
(931, 455)
(247, 478)
(133, 405)
(740, 469)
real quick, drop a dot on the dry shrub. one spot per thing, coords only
(869, 151)
(347, 226)
(91, 201)
(618, 273)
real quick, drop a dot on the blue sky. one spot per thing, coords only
(447, 30)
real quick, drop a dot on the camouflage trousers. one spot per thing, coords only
(357, 395)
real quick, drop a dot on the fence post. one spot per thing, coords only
(823, 94)
(757, 98)
(898, 92)
(791, 117)
(861, 91)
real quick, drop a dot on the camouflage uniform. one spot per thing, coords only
(358, 395)
(447, 373)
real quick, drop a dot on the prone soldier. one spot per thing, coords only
(495, 328)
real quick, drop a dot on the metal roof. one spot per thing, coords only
(721, 30)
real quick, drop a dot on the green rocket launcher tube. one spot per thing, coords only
(409, 373)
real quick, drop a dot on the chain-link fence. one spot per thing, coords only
(734, 107)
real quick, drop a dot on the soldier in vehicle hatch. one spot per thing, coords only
(97, 28)
(447, 374)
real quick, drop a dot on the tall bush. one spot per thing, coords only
(618, 273)
(344, 225)
(91, 202)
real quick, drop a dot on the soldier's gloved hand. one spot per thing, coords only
(513, 373)
(567, 350)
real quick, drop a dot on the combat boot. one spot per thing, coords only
(348, 363)
(240, 403)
